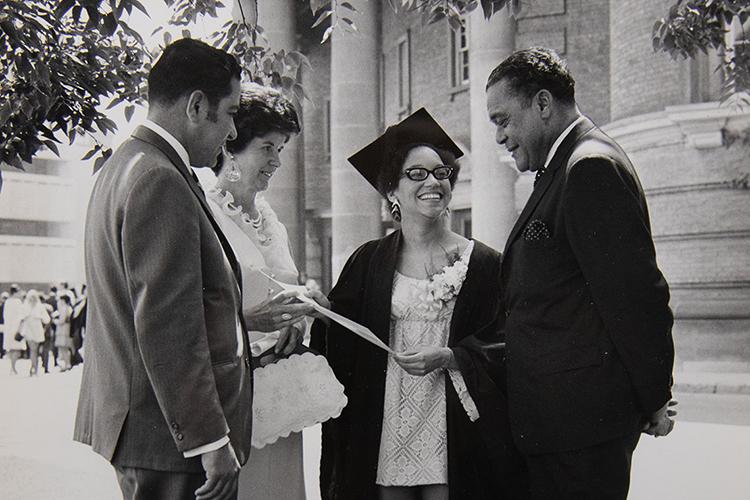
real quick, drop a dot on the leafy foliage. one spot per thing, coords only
(60, 58)
(454, 10)
(63, 59)
(701, 25)
(336, 14)
(244, 38)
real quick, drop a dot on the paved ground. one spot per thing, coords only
(707, 457)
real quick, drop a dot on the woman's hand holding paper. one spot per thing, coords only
(283, 310)
(420, 362)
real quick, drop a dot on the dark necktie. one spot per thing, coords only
(539, 174)
(195, 178)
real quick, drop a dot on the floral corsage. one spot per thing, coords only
(446, 284)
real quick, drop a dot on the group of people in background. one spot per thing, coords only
(38, 326)
(526, 374)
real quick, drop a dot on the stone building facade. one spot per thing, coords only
(41, 222)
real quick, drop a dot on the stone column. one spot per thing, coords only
(286, 193)
(355, 205)
(493, 209)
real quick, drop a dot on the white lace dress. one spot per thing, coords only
(413, 443)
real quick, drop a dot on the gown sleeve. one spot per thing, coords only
(332, 340)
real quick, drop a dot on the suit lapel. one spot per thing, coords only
(147, 135)
(560, 158)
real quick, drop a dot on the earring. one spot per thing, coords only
(396, 210)
(233, 174)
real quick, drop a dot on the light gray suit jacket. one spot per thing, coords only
(161, 373)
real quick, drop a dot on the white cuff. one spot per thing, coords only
(463, 394)
(206, 448)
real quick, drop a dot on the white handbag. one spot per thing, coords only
(293, 393)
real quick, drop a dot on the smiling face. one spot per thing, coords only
(519, 127)
(259, 160)
(428, 198)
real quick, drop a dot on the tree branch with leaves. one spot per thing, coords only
(696, 26)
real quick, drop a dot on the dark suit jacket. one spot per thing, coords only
(589, 345)
(482, 461)
(161, 374)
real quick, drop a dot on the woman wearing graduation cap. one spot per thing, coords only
(428, 422)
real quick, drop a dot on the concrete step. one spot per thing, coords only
(715, 366)
(722, 382)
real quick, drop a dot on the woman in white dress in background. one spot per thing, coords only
(265, 122)
(32, 329)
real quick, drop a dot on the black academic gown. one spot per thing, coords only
(482, 462)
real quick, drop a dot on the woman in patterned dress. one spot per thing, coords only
(63, 339)
(428, 422)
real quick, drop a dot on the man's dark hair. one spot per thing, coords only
(530, 70)
(262, 110)
(390, 174)
(14, 289)
(188, 65)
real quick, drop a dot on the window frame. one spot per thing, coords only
(403, 61)
(460, 59)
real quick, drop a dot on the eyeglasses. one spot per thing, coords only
(419, 174)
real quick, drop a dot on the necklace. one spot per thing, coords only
(257, 221)
(226, 201)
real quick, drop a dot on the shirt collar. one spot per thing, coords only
(171, 140)
(205, 177)
(561, 138)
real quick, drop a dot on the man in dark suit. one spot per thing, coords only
(50, 302)
(588, 326)
(167, 388)
(3, 297)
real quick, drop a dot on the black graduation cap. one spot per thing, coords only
(419, 127)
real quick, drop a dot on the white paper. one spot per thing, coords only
(347, 323)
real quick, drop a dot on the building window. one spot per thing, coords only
(737, 38)
(459, 56)
(461, 222)
(707, 83)
(327, 128)
(404, 73)
(381, 93)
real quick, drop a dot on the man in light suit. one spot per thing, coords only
(588, 326)
(167, 388)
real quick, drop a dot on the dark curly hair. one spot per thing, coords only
(530, 70)
(390, 175)
(262, 110)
